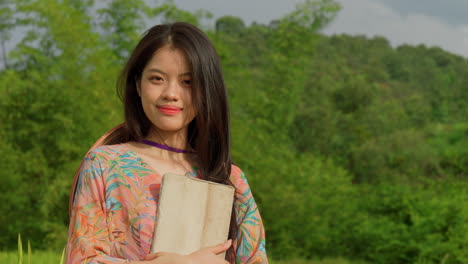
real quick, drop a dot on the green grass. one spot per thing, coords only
(323, 261)
(37, 257)
(52, 257)
(30, 257)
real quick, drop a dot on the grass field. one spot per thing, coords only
(38, 257)
(50, 257)
(28, 256)
(323, 261)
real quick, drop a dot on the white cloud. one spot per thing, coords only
(465, 34)
(371, 18)
(451, 11)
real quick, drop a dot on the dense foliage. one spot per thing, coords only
(352, 147)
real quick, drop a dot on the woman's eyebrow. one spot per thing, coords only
(157, 70)
(163, 73)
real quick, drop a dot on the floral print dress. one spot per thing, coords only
(114, 211)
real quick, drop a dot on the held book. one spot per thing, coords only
(192, 214)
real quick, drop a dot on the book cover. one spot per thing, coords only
(192, 214)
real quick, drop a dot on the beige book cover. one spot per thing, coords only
(192, 214)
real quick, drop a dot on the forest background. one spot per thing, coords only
(353, 148)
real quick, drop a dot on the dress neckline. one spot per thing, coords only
(192, 173)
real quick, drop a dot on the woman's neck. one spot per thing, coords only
(174, 139)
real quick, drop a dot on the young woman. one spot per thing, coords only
(176, 120)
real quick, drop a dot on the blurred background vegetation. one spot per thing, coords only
(353, 148)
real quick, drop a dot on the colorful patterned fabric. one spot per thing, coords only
(114, 211)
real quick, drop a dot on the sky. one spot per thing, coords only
(442, 23)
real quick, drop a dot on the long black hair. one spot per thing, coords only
(209, 132)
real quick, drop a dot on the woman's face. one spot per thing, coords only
(165, 91)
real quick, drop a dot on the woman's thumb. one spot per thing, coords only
(220, 247)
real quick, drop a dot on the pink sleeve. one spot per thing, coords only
(88, 237)
(250, 242)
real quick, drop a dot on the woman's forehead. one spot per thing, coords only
(169, 59)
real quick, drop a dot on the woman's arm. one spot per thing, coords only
(88, 237)
(250, 242)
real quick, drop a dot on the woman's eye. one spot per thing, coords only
(155, 78)
(187, 82)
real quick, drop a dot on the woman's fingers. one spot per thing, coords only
(156, 255)
(220, 248)
(208, 252)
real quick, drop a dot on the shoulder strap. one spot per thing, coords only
(101, 141)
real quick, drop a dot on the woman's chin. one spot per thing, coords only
(169, 129)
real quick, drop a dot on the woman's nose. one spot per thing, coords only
(170, 92)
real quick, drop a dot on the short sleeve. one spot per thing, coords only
(88, 237)
(250, 241)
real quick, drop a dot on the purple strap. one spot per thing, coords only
(165, 147)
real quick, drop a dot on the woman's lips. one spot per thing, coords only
(169, 109)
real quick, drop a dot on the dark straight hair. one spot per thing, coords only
(209, 132)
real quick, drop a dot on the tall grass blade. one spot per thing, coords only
(63, 256)
(20, 250)
(29, 252)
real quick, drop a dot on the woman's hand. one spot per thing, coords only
(209, 255)
(203, 256)
(166, 258)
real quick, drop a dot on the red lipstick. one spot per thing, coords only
(169, 109)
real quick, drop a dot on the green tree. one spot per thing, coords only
(53, 102)
(6, 24)
(230, 25)
(122, 20)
